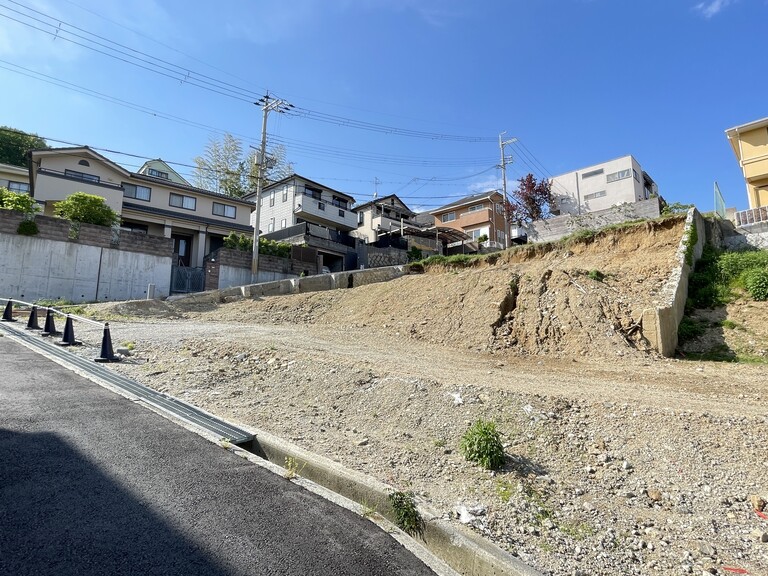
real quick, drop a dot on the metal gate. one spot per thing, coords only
(185, 280)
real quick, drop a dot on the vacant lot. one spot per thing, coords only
(618, 461)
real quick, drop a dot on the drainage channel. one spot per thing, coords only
(169, 404)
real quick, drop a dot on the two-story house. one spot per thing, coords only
(750, 144)
(477, 215)
(598, 187)
(14, 178)
(298, 210)
(155, 200)
(382, 216)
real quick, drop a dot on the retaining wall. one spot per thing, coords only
(317, 283)
(97, 265)
(558, 227)
(660, 323)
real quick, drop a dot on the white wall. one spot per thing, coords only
(577, 190)
(36, 268)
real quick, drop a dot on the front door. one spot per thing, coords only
(182, 246)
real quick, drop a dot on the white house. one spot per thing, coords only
(295, 199)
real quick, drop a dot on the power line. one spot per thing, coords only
(188, 76)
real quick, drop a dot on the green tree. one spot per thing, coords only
(19, 201)
(226, 168)
(87, 208)
(14, 145)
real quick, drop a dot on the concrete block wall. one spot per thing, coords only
(227, 267)
(660, 323)
(558, 227)
(380, 257)
(95, 235)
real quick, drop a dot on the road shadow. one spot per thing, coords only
(61, 515)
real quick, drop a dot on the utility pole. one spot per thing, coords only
(268, 104)
(504, 161)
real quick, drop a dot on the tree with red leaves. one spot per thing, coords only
(533, 200)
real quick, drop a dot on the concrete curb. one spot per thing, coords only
(466, 552)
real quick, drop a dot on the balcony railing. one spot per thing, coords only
(751, 216)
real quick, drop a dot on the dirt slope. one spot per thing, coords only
(530, 301)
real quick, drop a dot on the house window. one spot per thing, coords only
(500, 236)
(285, 194)
(271, 227)
(620, 175)
(186, 202)
(283, 223)
(272, 198)
(594, 195)
(360, 218)
(339, 202)
(157, 173)
(137, 192)
(591, 174)
(82, 176)
(499, 209)
(18, 186)
(449, 217)
(224, 210)
(475, 234)
(316, 193)
(634, 173)
(321, 205)
(341, 213)
(84, 163)
(476, 208)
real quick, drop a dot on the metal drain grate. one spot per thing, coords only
(167, 403)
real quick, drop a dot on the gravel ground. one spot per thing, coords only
(640, 467)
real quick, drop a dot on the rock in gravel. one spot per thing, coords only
(757, 502)
(759, 535)
(706, 549)
(654, 494)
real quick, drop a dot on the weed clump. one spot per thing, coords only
(482, 444)
(407, 516)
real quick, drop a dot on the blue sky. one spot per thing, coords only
(577, 82)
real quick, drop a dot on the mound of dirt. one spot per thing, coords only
(584, 299)
(145, 309)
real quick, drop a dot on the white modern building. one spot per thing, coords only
(619, 181)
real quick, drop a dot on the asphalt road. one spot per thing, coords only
(92, 483)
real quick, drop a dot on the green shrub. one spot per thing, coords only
(756, 283)
(414, 254)
(27, 228)
(86, 208)
(482, 444)
(267, 247)
(407, 516)
(731, 265)
(19, 201)
(596, 275)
